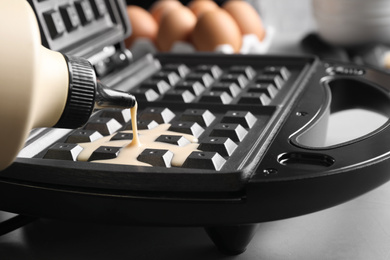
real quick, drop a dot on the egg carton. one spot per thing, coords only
(250, 45)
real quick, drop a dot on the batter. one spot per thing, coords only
(142, 139)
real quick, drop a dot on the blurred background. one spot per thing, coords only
(348, 30)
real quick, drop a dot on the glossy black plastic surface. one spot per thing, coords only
(278, 177)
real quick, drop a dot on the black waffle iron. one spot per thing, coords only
(260, 120)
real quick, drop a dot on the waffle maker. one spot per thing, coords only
(260, 122)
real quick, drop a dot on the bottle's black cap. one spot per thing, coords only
(85, 91)
(81, 93)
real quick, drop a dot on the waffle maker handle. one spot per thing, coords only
(368, 92)
(300, 175)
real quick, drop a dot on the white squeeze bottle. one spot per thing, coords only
(40, 87)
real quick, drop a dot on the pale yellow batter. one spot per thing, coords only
(142, 139)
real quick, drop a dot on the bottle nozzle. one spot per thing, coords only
(106, 97)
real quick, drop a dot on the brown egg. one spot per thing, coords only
(215, 28)
(142, 23)
(246, 16)
(161, 7)
(198, 7)
(176, 25)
